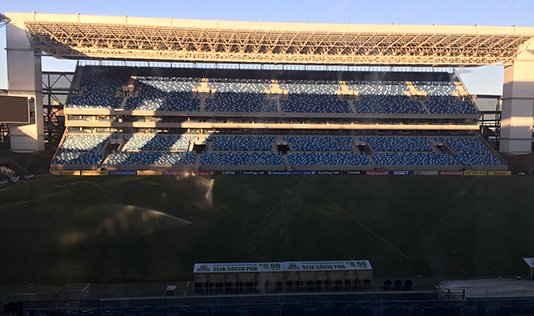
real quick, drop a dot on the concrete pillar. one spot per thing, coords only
(518, 104)
(24, 78)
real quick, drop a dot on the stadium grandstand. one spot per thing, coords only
(259, 114)
(132, 118)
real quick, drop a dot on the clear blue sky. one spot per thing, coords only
(450, 12)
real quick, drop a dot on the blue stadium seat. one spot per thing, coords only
(164, 94)
(84, 142)
(147, 158)
(76, 157)
(237, 158)
(412, 143)
(471, 151)
(327, 159)
(148, 142)
(320, 143)
(97, 93)
(241, 143)
(314, 103)
(413, 159)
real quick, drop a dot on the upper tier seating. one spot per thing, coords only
(98, 92)
(239, 96)
(165, 94)
(436, 88)
(381, 88)
(310, 87)
(239, 102)
(450, 105)
(241, 158)
(320, 143)
(147, 142)
(241, 143)
(471, 151)
(146, 158)
(314, 103)
(387, 104)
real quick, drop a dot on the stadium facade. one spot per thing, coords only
(123, 117)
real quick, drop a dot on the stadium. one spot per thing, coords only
(249, 160)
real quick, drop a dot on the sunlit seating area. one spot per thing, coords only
(151, 142)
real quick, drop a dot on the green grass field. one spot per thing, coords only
(59, 230)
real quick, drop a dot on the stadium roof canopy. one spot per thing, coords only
(100, 37)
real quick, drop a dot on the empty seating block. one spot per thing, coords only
(398, 143)
(76, 157)
(241, 158)
(387, 104)
(441, 88)
(320, 143)
(84, 142)
(327, 159)
(413, 159)
(164, 94)
(471, 151)
(100, 92)
(151, 158)
(241, 143)
(234, 95)
(148, 142)
(383, 88)
(450, 105)
(310, 87)
(239, 102)
(314, 103)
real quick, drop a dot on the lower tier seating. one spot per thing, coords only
(148, 142)
(76, 157)
(413, 159)
(241, 158)
(241, 143)
(260, 150)
(327, 159)
(151, 158)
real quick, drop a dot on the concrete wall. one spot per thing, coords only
(518, 104)
(24, 79)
